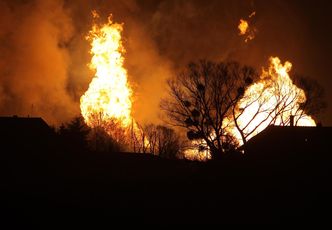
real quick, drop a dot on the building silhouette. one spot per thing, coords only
(295, 139)
(24, 133)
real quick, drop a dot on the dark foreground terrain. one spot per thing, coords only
(52, 188)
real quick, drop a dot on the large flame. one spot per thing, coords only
(109, 95)
(272, 100)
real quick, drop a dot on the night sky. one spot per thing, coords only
(44, 54)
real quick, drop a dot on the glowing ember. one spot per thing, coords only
(252, 14)
(243, 27)
(246, 30)
(272, 100)
(109, 95)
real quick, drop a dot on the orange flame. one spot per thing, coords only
(272, 100)
(246, 30)
(195, 153)
(109, 94)
(243, 27)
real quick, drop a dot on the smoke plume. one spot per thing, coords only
(35, 60)
(44, 54)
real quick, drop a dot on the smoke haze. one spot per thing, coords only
(44, 54)
(34, 60)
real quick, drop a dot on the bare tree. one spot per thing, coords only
(273, 101)
(168, 142)
(162, 141)
(315, 102)
(108, 135)
(151, 133)
(139, 139)
(267, 103)
(201, 99)
(215, 105)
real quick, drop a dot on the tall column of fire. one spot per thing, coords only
(108, 98)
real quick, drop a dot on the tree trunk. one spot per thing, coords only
(216, 153)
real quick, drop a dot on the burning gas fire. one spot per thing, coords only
(271, 100)
(108, 97)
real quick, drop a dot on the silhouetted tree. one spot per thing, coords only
(162, 141)
(100, 141)
(315, 102)
(74, 134)
(151, 134)
(201, 99)
(255, 111)
(168, 141)
(139, 140)
(107, 134)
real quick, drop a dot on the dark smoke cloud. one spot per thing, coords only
(44, 54)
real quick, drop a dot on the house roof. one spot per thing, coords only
(285, 136)
(19, 126)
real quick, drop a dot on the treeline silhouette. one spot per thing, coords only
(151, 139)
(52, 179)
(75, 176)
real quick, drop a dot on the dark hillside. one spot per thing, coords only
(45, 184)
(85, 188)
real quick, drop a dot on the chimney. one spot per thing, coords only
(291, 120)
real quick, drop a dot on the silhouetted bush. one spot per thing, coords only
(73, 135)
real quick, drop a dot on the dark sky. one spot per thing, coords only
(44, 56)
